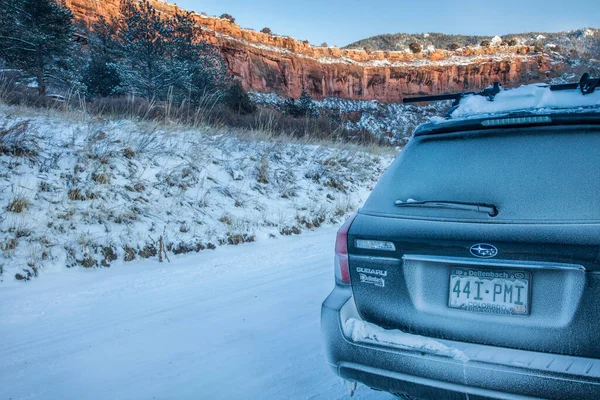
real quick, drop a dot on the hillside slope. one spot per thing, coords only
(82, 192)
(577, 43)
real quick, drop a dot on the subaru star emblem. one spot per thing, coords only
(483, 250)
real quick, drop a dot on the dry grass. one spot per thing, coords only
(76, 195)
(226, 219)
(101, 178)
(18, 204)
(263, 170)
(146, 162)
(9, 246)
(18, 140)
(206, 111)
(235, 238)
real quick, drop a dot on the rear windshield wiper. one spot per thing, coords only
(489, 209)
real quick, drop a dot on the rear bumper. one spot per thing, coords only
(490, 372)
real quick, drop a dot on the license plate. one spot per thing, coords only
(490, 292)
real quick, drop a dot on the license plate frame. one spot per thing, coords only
(490, 276)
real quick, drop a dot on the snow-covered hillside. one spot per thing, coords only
(83, 192)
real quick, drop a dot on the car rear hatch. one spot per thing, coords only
(527, 278)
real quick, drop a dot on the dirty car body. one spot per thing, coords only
(473, 270)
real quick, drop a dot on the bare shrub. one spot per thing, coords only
(101, 178)
(148, 251)
(290, 230)
(18, 204)
(183, 248)
(228, 17)
(237, 238)
(20, 230)
(129, 254)
(263, 169)
(128, 152)
(8, 247)
(108, 255)
(415, 47)
(226, 219)
(76, 195)
(310, 222)
(19, 141)
(88, 261)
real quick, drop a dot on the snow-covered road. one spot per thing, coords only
(235, 323)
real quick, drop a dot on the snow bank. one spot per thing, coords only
(362, 331)
(531, 98)
(85, 192)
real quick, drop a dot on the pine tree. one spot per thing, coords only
(167, 55)
(303, 107)
(102, 75)
(103, 39)
(197, 67)
(37, 37)
(238, 100)
(143, 35)
(306, 105)
(291, 108)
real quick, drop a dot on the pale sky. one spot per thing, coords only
(340, 22)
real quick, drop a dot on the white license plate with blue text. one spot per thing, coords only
(490, 291)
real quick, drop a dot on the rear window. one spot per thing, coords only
(530, 175)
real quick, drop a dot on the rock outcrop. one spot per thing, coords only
(283, 65)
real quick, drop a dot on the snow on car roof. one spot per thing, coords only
(535, 98)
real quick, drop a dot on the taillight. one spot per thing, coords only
(342, 271)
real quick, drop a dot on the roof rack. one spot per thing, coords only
(490, 93)
(586, 84)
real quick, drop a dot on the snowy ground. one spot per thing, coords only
(84, 192)
(236, 323)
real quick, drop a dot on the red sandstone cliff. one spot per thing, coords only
(283, 65)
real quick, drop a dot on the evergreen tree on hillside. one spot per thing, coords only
(103, 75)
(36, 36)
(237, 99)
(103, 38)
(306, 105)
(143, 35)
(159, 56)
(303, 107)
(198, 66)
